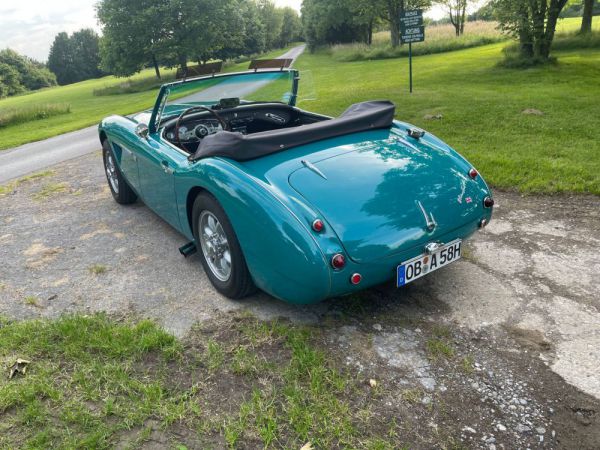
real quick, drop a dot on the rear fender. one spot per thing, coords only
(283, 257)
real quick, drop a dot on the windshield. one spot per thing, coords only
(274, 86)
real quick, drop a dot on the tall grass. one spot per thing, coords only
(438, 39)
(132, 86)
(14, 116)
(563, 41)
(571, 41)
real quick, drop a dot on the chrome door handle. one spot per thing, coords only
(165, 167)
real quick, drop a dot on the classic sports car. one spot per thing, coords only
(298, 204)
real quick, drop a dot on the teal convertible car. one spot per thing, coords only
(298, 204)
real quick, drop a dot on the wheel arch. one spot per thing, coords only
(269, 235)
(102, 135)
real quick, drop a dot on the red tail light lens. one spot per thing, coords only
(473, 173)
(318, 225)
(356, 278)
(488, 202)
(338, 261)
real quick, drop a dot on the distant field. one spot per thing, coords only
(482, 108)
(86, 108)
(438, 39)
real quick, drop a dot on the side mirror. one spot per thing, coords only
(142, 130)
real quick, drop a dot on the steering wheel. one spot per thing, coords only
(217, 116)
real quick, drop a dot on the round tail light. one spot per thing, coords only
(338, 261)
(473, 173)
(488, 202)
(318, 225)
(356, 278)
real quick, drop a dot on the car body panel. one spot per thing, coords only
(369, 202)
(382, 190)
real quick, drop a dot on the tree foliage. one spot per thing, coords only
(75, 58)
(141, 33)
(341, 21)
(533, 22)
(19, 73)
(334, 22)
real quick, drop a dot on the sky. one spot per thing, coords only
(29, 26)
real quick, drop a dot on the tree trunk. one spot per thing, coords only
(525, 37)
(588, 11)
(463, 17)
(394, 10)
(455, 22)
(554, 10)
(155, 65)
(395, 32)
(183, 64)
(370, 33)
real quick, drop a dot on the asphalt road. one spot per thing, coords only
(28, 158)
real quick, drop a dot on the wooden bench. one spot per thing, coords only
(281, 63)
(200, 69)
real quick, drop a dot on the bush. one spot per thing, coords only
(438, 39)
(16, 116)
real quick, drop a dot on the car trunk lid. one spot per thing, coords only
(385, 195)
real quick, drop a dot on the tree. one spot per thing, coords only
(588, 12)
(272, 18)
(291, 27)
(371, 12)
(331, 22)
(135, 34)
(31, 74)
(457, 13)
(255, 40)
(59, 59)
(394, 9)
(75, 58)
(85, 46)
(10, 81)
(533, 22)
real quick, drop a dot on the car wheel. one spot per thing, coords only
(219, 249)
(119, 188)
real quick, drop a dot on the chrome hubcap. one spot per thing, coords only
(111, 172)
(215, 246)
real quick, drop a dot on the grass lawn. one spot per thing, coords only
(86, 108)
(94, 382)
(482, 108)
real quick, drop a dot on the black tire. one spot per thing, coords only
(123, 194)
(239, 284)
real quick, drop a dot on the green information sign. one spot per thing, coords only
(412, 30)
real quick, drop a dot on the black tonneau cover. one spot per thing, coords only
(237, 146)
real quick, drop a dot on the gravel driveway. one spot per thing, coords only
(528, 284)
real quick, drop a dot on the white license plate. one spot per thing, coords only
(424, 264)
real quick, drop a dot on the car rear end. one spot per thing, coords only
(382, 205)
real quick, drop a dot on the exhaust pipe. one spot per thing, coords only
(188, 249)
